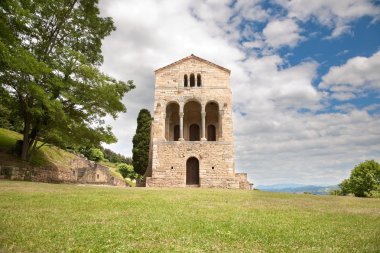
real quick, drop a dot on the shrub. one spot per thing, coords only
(126, 170)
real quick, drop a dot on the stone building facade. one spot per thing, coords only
(191, 136)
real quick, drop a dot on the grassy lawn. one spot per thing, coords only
(39, 217)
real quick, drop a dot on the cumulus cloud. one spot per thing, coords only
(279, 136)
(353, 77)
(334, 14)
(279, 33)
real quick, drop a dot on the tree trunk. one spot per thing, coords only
(33, 148)
(25, 140)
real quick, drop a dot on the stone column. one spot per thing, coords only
(203, 126)
(181, 114)
(165, 126)
(220, 121)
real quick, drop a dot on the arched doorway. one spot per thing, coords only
(192, 171)
(194, 133)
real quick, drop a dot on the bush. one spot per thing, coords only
(126, 170)
(336, 192)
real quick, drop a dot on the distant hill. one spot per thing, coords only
(298, 188)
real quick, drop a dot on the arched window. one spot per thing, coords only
(176, 132)
(211, 133)
(192, 80)
(194, 133)
(185, 81)
(199, 80)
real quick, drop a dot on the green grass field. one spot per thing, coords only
(38, 217)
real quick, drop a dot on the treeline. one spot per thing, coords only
(116, 157)
(98, 154)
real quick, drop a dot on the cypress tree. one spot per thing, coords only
(140, 151)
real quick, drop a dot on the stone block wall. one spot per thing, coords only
(169, 165)
(80, 171)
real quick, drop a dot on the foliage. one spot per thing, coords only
(113, 219)
(364, 180)
(9, 117)
(336, 192)
(50, 52)
(115, 157)
(141, 141)
(126, 170)
(96, 155)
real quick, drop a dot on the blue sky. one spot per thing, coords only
(305, 77)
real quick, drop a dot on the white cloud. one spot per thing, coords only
(251, 10)
(352, 78)
(334, 14)
(279, 33)
(274, 142)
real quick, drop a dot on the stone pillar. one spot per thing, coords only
(203, 126)
(220, 121)
(181, 114)
(166, 122)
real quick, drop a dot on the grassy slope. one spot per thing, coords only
(66, 218)
(46, 156)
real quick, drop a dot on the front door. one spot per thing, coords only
(192, 171)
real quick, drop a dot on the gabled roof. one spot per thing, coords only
(197, 58)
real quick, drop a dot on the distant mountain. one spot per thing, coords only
(278, 186)
(298, 188)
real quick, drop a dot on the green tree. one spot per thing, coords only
(96, 155)
(127, 171)
(50, 53)
(140, 151)
(364, 180)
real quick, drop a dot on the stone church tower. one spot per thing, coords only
(191, 136)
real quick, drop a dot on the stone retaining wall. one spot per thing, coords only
(81, 171)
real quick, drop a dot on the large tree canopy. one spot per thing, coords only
(50, 53)
(140, 151)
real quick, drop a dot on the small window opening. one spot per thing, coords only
(97, 176)
(172, 167)
(212, 167)
(192, 80)
(185, 80)
(73, 172)
(199, 80)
